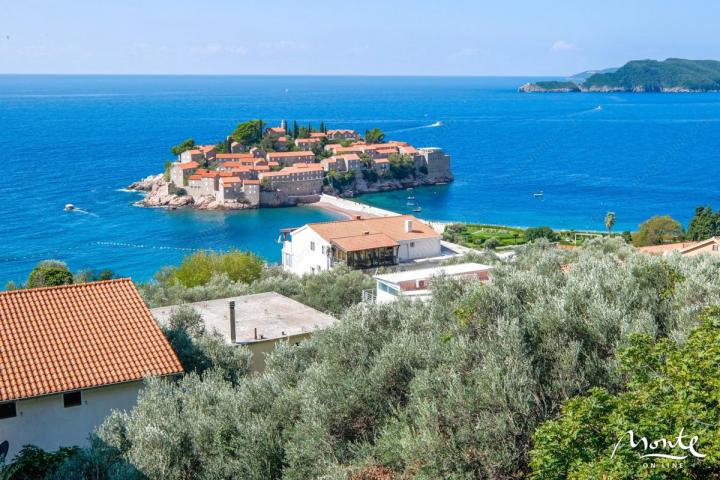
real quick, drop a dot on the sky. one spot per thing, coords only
(282, 37)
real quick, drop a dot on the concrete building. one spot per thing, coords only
(301, 179)
(291, 158)
(414, 284)
(259, 321)
(435, 160)
(307, 144)
(342, 134)
(179, 172)
(193, 155)
(72, 354)
(358, 243)
(711, 246)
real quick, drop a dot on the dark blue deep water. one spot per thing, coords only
(81, 139)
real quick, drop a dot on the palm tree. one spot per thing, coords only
(609, 221)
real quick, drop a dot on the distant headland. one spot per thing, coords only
(260, 166)
(674, 75)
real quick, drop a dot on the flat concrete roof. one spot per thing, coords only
(425, 273)
(273, 315)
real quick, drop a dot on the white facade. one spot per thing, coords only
(306, 252)
(414, 284)
(48, 424)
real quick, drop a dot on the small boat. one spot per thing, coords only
(411, 197)
(538, 194)
(417, 209)
(410, 189)
(410, 204)
(69, 207)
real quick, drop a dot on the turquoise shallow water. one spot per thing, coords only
(81, 139)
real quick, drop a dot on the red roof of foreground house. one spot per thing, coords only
(71, 337)
(394, 227)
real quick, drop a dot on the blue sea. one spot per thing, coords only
(82, 139)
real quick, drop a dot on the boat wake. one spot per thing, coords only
(432, 125)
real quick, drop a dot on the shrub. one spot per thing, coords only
(49, 273)
(535, 233)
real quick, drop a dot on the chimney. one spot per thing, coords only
(408, 225)
(231, 303)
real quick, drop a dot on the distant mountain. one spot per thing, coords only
(671, 75)
(582, 76)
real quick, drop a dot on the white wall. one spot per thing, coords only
(46, 423)
(422, 248)
(305, 260)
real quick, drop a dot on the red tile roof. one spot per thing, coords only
(289, 154)
(251, 182)
(393, 227)
(72, 337)
(364, 242)
(188, 165)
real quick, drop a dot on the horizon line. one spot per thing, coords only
(9, 74)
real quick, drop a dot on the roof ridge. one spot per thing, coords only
(69, 285)
(364, 219)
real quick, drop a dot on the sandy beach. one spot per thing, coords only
(350, 208)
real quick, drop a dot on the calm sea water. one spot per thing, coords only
(81, 139)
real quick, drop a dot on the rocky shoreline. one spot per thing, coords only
(158, 194)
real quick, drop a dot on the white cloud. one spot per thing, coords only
(563, 46)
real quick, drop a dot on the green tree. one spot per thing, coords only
(609, 221)
(248, 133)
(49, 273)
(240, 266)
(671, 389)
(703, 225)
(401, 166)
(536, 233)
(322, 128)
(374, 135)
(196, 269)
(188, 144)
(295, 130)
(658, 230)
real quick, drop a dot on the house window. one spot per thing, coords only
(72, 399)
(7, 410)
(312, 246)
(715, 247)
(412, 244)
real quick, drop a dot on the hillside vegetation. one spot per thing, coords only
(658, 76)
(455, 388)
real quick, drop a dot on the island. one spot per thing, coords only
(259, 166)
(674, 75)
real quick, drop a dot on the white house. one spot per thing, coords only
(69, 356)
(414, 284)
(358, 243)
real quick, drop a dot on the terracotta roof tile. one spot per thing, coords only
(71, 337)
(364, 242)
(393, 227)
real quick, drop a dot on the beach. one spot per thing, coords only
(350, 208)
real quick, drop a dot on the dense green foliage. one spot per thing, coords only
(374, 135)
(536, 233)
(201, 351)
(657, 230)
(654, 76)
(558, 86)
(49, 273)
(188, 144)
(401, 166)
(198, 268)
(476, 236)
(704, 224)
(453, 388)
(248, 133)
(672, 387)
